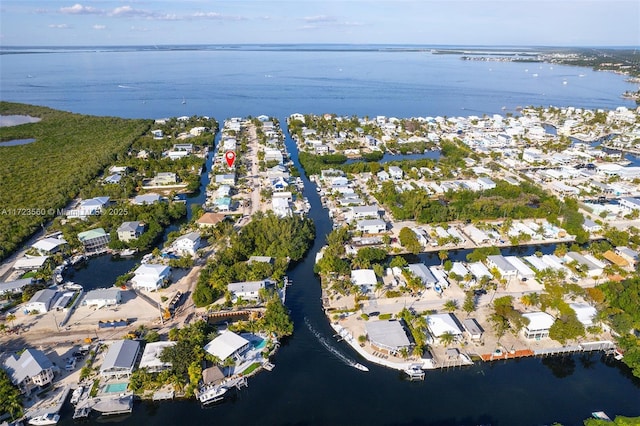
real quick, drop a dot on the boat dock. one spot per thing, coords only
(163, 395)
(51, 405)
(119, 404)
(606, 346)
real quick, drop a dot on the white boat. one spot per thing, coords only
(415, 372)
(75, 396)
(72, 286)
(213, 394)
(128, 252)
(45, 419)
(361, 367)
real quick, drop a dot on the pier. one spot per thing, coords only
(605, 346)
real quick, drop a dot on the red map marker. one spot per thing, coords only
(230, 156)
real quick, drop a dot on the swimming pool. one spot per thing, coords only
(260, 344)
(115, 388)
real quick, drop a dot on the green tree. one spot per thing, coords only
(450, 305)
(447, 338)
(10, 397)
(409, 240)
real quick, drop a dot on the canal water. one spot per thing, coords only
(312, 386)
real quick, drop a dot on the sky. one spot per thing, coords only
(429, 22)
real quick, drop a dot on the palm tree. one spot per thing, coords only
(530, 299)
(450, 305)
(447, 338)
(443, 255)
(11, 318)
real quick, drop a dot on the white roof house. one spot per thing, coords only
(49, 245)
(387, 335)
(280, 207)
(472, 327)
(539, 325)
(151, 356)
(364, 278)
(89, 207)
(103, 297)
(150, 198)
(150, 276)
(372, 226)
(524, 272)
(248, 290)
(503, 266)
(30, 263)
(440, 324)
(478, 270)
(584, 312)
(395, 172)
(227, 344)
(187, 244)
(120, 359)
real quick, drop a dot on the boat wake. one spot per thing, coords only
(324, 342)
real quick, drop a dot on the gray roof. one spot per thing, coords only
(422, 272)
(246, 286)
(43, 296)
(472, 326)
(122, 355)
(502, 263)
(102, 293)
(193, 236)
(388, 334)
(31, 363)
(129, 226)
(14, 286)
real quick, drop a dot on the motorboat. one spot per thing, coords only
(415, 372)
(45, 419)
(360, 367)
(213, 394)
(75, 396)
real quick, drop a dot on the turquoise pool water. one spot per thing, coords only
(259, 345)
(115, 388)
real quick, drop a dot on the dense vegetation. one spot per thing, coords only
(10, 397)
(70, 150)
(622, 300)
(266, 235)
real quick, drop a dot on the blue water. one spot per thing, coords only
(310, 386)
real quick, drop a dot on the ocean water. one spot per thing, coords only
(310, 385)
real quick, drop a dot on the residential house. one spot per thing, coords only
(585, 313)
(440, 324)
(502, 265)
(539, 325)
(422, 272)
(228, 179)
(94, 239)
(50, 245)
(120, 359)
(279, 184)
(30, 263)
(363, 212)
(486, 183)
(32, 369)
(473, 329)
(249, 290)
(16, 286)
(629, 204)
(590, 226)
(129, 231)
(372, 226)
(188, 244)
(157, 134)
(164, 178)
(594, 267)
(280, 207)
(387, 336)
(629, 255)
(395, 172)
(364, 278)
(151, 356)
(101, 297)
(208, 220)
(382, 175)
(149, 198)
(150, 276)
(41, 301)
(89, 207)
(523, 271)
(615, 259)
(228, 345)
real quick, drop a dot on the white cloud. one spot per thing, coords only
(99, 27)
(319, 18)
(59, 26)
(217, 16)
(78, 9)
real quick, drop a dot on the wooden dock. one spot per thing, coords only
(507, 355)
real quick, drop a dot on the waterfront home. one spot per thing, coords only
(395, 172)
(279, 184)
(94, 239)
(209, 220)
(144, 199)
(278, 171)
(223, 204)
(473, 329)
(364, 278)
(273, 155)
(476, 235)
(629, 204)
(248, 290)
(629, 255)
(228, 345)
(539, 325)
(89, 207)
(176, 155)
(151, 357)
(479, 270)
(13, 287)
(421, 235)
(103, 297)
(590, 226)
(32, 369)
(41, 301)
(615, 259)
(502, 265)
(120, 359)
(440, 324)
(585, 313)
(485, 183)
(536, 262)
(129, 231)
(372, 226)
(422, 272)
(228, 179)
(523, 271)
(382, 176)
(280, 207)
(387, 336)
(48, 246)
(594, 267)
(187, 245)
(150, 276)
(363, 212)
(30, 263)
(260, 259)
